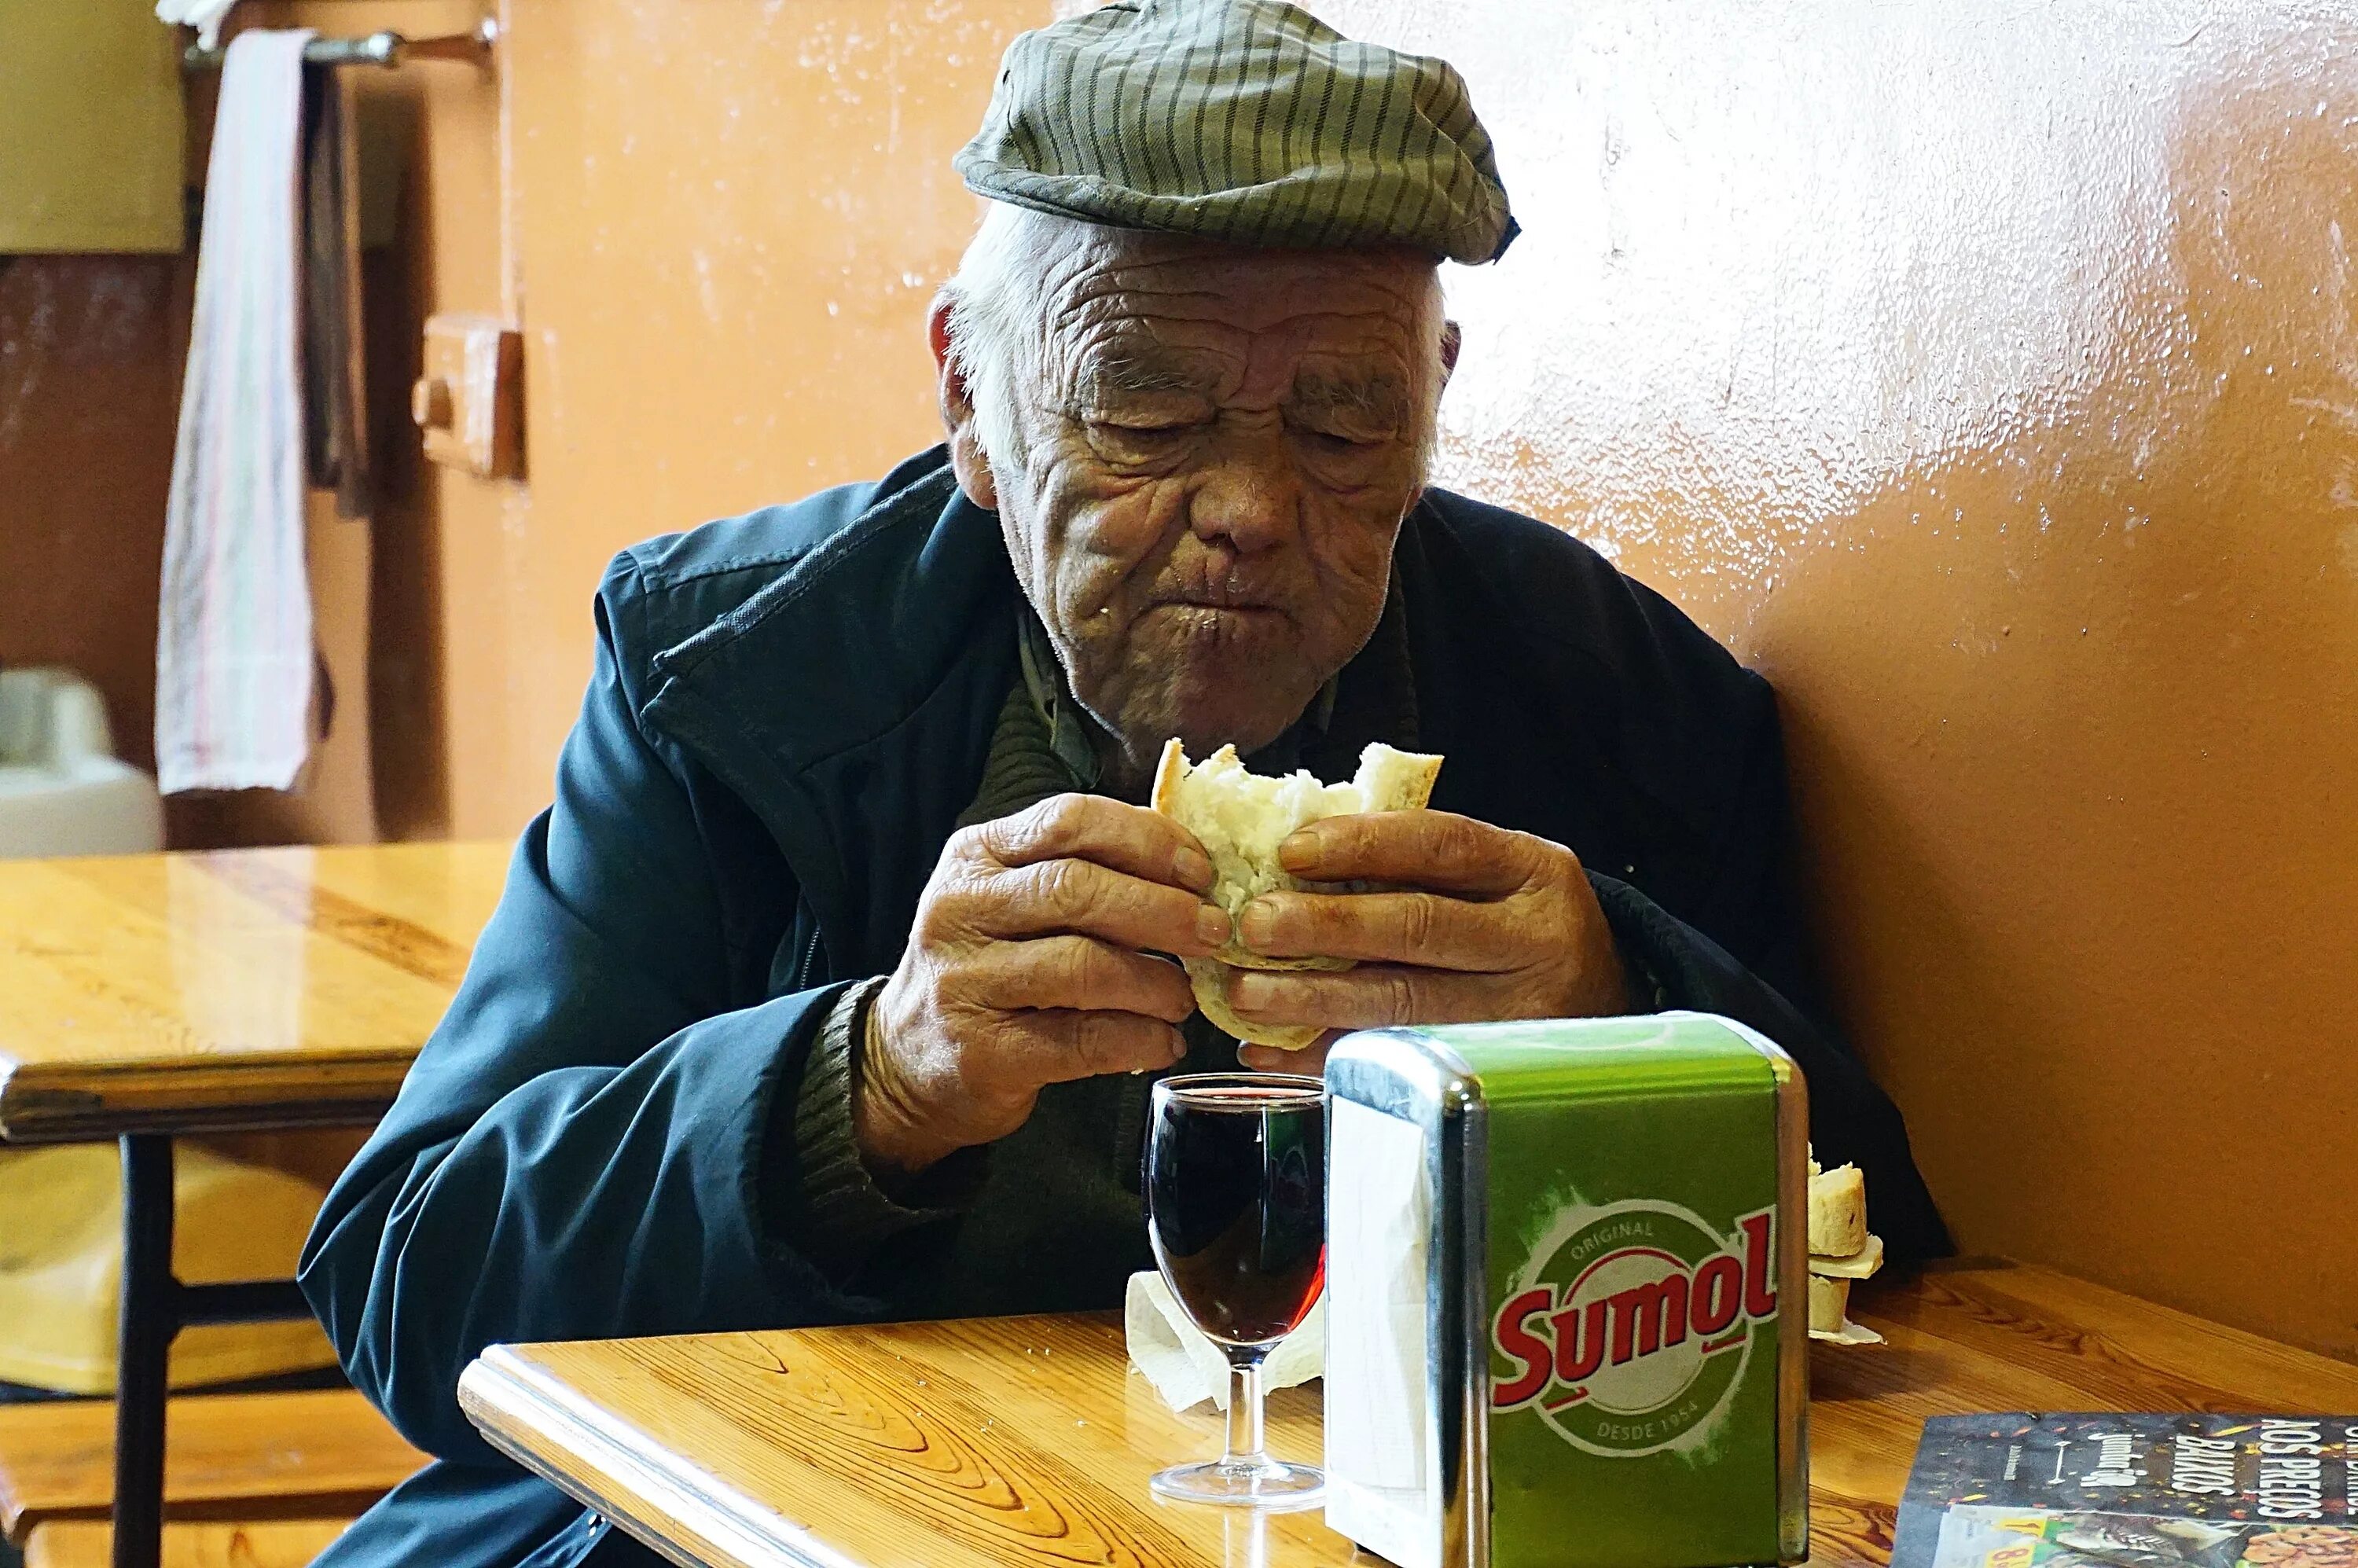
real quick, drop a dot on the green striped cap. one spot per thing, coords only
(1249, 121)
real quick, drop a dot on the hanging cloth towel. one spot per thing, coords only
(233, 651)
(335, 408)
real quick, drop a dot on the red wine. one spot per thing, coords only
(1237, 1204)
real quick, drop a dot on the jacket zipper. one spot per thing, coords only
(808, 963)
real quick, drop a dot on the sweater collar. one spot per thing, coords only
(1327, 738)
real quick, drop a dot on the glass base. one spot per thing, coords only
(1265, 1484)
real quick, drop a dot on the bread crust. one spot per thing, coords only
(1163, 800)
(1209, 980)
(1167, 775)
(1424, 771)
(1408, 787)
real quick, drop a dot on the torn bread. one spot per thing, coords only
(1862, 1264)
(1842, 1251)
(1240, 818)
(1837, 1211)
(1829, 1304)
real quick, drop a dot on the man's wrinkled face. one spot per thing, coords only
(1215, 448)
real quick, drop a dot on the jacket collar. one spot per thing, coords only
(849, 702)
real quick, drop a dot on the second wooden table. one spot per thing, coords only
(245, 989)
(998, 1442)
(145, 997)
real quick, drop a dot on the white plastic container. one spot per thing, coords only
(62, 789)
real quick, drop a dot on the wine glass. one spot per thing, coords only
(1236, 1206)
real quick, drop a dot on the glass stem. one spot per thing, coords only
(1244, 1411)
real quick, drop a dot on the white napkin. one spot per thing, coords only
(1187, 1368)
(1849, 1334)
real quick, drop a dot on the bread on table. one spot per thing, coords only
(1837, 1211)
(1842, 1250)
(1240, 818)
(1829, 1304)
(1860, 1265)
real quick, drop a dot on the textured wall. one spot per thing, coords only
(725, 221)
(1987, 375)
(425, 596)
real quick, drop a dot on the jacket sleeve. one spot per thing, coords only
(578, 1152)
(1753, 966)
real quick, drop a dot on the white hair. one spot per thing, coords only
(995, 322)
(994, 314)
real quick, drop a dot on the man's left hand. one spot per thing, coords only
(1489, 924)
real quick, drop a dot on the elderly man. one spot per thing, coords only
(832, 984)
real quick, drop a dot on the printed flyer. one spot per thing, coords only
(2132, 1491)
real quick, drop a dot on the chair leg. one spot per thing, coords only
(149, 1319)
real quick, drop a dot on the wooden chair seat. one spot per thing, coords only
(274, 1544)
(61, 1268)
(313, 1454)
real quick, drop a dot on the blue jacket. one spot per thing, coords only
(788, 712)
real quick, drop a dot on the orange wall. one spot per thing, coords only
(439, 126)
(1990, 383)
(725, 221)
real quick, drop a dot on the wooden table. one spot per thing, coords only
(145, 997)
(1025, 1440)
(247, 989)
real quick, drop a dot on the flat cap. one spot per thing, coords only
(1249, 121)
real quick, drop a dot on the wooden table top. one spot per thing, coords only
(1026, 1440)
(233, 991)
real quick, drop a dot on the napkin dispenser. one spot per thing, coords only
(1567, 1299)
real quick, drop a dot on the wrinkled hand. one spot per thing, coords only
(1492, 925)
(1032, 962)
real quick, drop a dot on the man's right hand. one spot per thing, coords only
(1030, 963)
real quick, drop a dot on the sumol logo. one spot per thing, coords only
(1630, 1327)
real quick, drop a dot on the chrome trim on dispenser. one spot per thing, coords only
(1793, 1297)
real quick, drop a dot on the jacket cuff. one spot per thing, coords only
(837, 1213)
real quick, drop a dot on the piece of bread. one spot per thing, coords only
(1837, 1212)
(1842, 1252)
(1829, 1304)
(1860, 1265)
(1240, 818)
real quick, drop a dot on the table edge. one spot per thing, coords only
(508, 1397)
(519, 1402)
(43, 1102)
